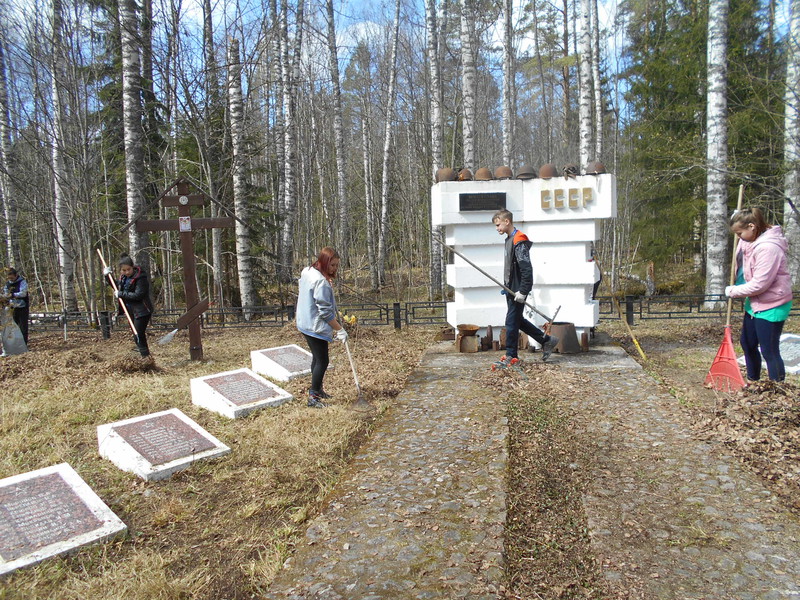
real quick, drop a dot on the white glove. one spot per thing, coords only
(341, 335)
(520, 297)
(107, 271)
(728, 290)
(116, 293)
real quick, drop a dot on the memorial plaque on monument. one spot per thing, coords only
(236, 393)
(790, 353)
(156, 446)
(48, 512)
(282, 363)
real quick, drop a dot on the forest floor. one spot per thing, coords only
(223, 529)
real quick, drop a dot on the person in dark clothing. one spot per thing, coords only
(16, 292)
(518, 277)
(133, 288)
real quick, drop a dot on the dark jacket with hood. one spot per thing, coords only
(518, 271)
(135, 292)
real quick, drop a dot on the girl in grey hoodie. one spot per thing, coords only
(316, 318)
(763, 280)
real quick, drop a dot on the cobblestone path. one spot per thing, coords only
(420, 514)
(679, 516)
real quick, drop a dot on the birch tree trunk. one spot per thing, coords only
(343, 231)
(212, 133)
(598, 89)
(7, 200)
(66, 254)
(717, 148)
(437, 135)
(585, 98)
(387, 147)
(508, 83)
(236, 112)
(548, 127)
(289, 78)
(468, 83)
(566, 122)
(132, 126)
(791, 150)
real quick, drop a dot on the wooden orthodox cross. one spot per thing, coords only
(185, 224)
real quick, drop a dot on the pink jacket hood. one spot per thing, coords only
(768, 283)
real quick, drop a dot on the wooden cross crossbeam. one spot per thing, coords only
(185, 224)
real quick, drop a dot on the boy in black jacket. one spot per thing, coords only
(518, 277)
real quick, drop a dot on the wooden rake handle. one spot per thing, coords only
(121, 301)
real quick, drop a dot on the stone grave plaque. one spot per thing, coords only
(48, 512)
(156, 446)
(236, 393)
(790, 352)
(282, 363)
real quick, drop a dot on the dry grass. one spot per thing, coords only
(222, 528)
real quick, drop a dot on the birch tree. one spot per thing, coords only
(289, 82)
(508, 83)
(598, 89)
(236, 112)
(132, 125)
(791, 150)
(437, 132)
(343, 230)
(66, 253)
(585, 83)
(387, 147)
(7, 199)
(716, 147)
(468, 82)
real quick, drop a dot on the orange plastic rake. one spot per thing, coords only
(724, 374)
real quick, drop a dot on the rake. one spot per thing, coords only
(724, 374)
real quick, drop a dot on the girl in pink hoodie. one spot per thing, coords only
(764, 281)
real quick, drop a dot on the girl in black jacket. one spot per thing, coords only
(133, 288)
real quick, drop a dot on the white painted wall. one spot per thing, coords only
(560, 216)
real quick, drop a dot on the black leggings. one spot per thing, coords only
(767, 335)
(319, 361)
(140, 324)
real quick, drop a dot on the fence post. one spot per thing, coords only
(105, 324)
(397, 323)
(290, 312)
(629, 309)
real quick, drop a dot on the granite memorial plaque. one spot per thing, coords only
(790, 353)
(48, 512)
(282, 363)
(156, 446)
(236, 393)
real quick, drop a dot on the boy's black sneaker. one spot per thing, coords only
(547, 348)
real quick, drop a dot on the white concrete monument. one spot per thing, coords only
(48, 512)
(282, 363)
(237, 393)
(561, 216)
(157, 445)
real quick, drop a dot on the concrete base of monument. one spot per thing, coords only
(282, 363)
(237, 393)
(49, 512)
(157, 445)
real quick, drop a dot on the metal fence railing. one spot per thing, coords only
(403, 314)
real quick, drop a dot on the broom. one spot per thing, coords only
(724, 374)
